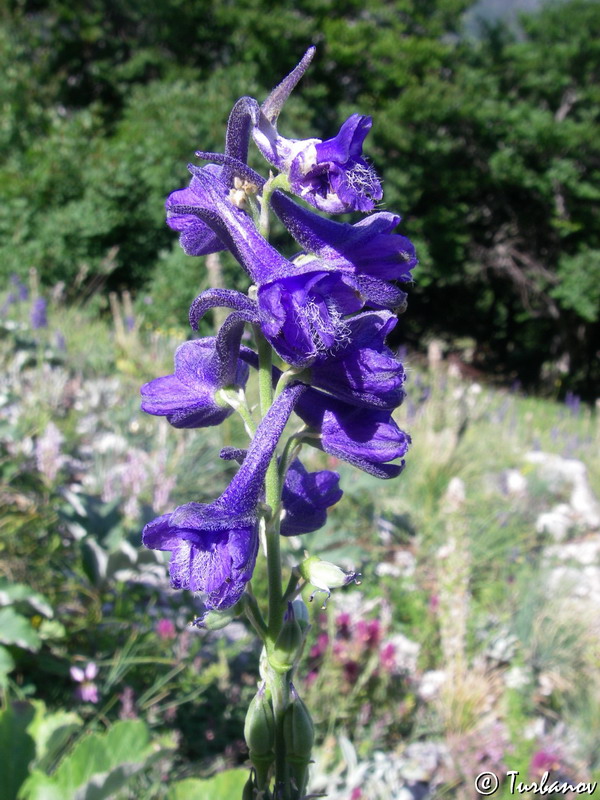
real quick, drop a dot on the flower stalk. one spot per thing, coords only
(326, 314)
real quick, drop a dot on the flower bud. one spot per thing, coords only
(288, 643)
(259, 728)
(301, 614)
(324, 575)
(215, 620)
(299, 734)
(248, 793)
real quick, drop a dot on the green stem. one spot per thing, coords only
(292, 587)
(274, 182)
(290, 452)
(272, 493)
(236, 398)
(253, 614)
(280, 692)
(277, 682)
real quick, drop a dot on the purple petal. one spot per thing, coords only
(196, 238)
(305, 498)
(364, 372)
(77, 674)
(332, 176)
(365, 438)
(213, 547)
(272, 106)
(366, 248)
(222, 298)
(244, 491)
(235, 228)
(348, 143)
(242, 119)
(302, 315)
(203, 366)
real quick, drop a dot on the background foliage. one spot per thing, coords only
(487, 145)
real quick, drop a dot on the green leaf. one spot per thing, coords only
(51, 732)
(16, 629)
(19, 593)
(99, 765)
(225, 784)
(7, 664)
(17, 747)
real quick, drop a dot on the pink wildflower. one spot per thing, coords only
(387, 656)
(165, 628)
(87, 691)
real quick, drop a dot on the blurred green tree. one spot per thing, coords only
(486, 145)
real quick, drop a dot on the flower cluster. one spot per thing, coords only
(326, 313)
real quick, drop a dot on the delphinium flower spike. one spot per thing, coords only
(326, 313)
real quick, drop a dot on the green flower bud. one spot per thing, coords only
(288, 644)
(215, 620)
(259, 728)
(248, 793)
(299, 735)
(324, 575)
(301, 614)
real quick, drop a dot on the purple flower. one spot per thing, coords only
(202, 367)
(22, 290)
(208, 198)
(300, 306)
(368, 250)
(368, 439)
(197, 238)
(306, 497)
(302, 316)
(87, 691)
(213, 547)
(38, 315)
(331, 175)
(363, 371)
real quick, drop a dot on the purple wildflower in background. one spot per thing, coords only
(573, 403)
(21, 288)
(48, 457)
(165, 629)
(38, 316)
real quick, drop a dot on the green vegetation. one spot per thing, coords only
(487, 145)
(465, 636)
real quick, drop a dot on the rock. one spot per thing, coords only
(557, 522)
(560, 471)
(431, 683)
(514, 483)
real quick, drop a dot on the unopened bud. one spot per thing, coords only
(215, 620)
(301, 614)
(288, 643)
(248, 793)
(299, 735)
(324, 575)
(259, 728)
